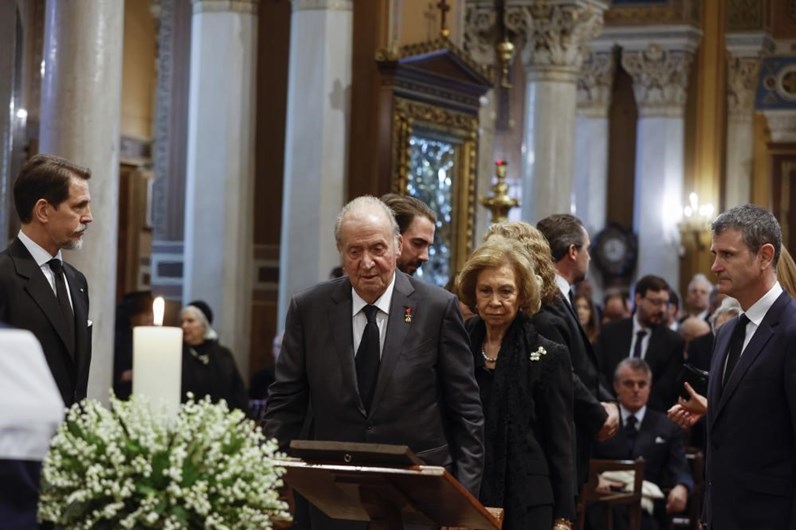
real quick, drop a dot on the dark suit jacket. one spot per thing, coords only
(751, 459)
(660, 442)
(28, 302)
(664, 355)
(559, 323)
(426, 396)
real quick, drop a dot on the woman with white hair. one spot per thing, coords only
(208, 368)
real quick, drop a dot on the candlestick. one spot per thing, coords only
(157, 362)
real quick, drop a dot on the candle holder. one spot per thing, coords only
(695, 223)
(500, 202)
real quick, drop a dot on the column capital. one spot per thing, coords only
(555, 42)
(481, 29)
(322, 5)
(658, 58)
(742, 74)
(595, 83)
(225, 6)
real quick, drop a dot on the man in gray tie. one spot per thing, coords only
(378, 357)
(38, 290)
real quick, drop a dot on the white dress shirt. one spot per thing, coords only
(42, 259)
(359, 320)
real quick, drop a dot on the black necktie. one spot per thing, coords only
(368, 356)
(736, 346)
(630, 433)
(63, 301)
(637, 347)
(572, 298)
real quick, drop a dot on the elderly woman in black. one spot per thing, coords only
(208, 368)
(526, 390)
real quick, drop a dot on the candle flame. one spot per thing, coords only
(158, 308)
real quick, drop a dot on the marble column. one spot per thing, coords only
(591, 138)
(219, 205)
(743, 67)
(660, 79)
(80, 114)
(316, 144)
(552, 57)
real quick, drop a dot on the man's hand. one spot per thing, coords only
(677, 499)
(611, 425)
(687, 412)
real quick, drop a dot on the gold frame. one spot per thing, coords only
(461, 130)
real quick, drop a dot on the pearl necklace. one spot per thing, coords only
(487, 358)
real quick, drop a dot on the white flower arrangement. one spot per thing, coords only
(124, 467)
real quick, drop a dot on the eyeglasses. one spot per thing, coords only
(657, 302)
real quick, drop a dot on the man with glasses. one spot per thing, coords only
(646, 336)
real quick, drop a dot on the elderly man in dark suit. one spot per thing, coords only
(379, 357)
(751, 401)
(644, 335)
(651, 435)
(41, 292)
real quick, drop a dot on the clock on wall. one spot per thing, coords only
(614, 251)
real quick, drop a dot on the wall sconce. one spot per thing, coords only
(695, 222)
(500, 202)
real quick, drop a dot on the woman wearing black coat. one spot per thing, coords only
(526, 391)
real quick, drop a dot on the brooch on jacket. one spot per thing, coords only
(536, 355)
(408, 314)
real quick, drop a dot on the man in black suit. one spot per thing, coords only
(595, 415)
(39, 291)
(751, 401)
(649, 434)
(379, 357)
(645, 336)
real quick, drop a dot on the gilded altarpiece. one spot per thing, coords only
(429, 104)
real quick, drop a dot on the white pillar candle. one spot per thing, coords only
(157, 363)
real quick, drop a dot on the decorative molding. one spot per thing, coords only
(225, 6)
(322, 5)
(749, 44)
(674, 12)
(742, 76)
(161, 146)
(595, 83)
(424, 48)
(660, 79)
(481, 34)
(782, 124)
(559, 34)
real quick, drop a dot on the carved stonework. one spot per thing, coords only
(782, 124)
(595, 83)
(746, 14)
(225, 6)
(558, 37)
(161, 146)
(325, 5)
(481, 30)
(742, 74)
(660, 79)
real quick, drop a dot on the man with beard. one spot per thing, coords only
(38, 290)
(645, 336)
(416, 221)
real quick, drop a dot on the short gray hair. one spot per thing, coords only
(757, 225)
(635, 364)
(728, 305)
(700, 278)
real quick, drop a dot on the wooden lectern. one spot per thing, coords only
(383, 484)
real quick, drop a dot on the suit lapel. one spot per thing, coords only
(39, 289)
(342, 332)
(80, 308)
(397, 328)
(753, 350)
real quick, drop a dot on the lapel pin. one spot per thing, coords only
(408, 314)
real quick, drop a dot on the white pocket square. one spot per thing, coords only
(89, 323)
(659, 440)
